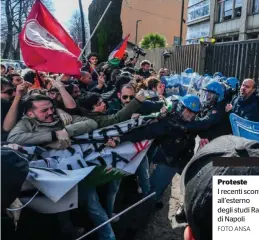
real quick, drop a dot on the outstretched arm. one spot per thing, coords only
(68, 100)
(12, 115)
(153, 130)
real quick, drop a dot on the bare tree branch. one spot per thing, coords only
(12, 21)
(14, 6)
(75, 28)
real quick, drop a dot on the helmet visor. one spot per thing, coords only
(208, 98)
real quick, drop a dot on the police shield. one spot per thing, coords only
(244, 128)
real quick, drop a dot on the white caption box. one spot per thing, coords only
(235, 207)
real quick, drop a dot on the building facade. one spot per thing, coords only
(158, 16)
(224, 20)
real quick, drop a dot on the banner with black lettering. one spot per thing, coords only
(57, 172)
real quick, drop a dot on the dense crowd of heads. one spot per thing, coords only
(101, 90)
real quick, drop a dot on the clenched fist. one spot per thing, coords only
(228, 107)
(63, 138)
(22, 89)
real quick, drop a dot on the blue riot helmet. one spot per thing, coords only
(207, 75)
(217, 74)
(188, 70)
(212, 93)
(190, 102)
(233, 83)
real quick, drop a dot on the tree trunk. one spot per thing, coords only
(82, 22)
(109, 32)
(16, 53)
(9, 36)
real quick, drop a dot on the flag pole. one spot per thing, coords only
(82, 52)
(119, 214)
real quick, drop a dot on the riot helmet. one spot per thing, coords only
(233, 83)
(188, 70)
(188, 107)
(212, 93)
(218, 74)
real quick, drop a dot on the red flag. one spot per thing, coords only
(45, 44)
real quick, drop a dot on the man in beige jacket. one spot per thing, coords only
(41, 126)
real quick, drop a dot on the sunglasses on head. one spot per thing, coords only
(9, 91)
(127, 96)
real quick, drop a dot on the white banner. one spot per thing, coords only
(56, 172)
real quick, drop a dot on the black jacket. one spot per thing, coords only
(144, 74)
(247, 108)
(14, 170)
(211, 122)
(176, 143)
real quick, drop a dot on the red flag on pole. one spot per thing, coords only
(45, 44)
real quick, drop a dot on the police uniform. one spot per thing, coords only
(211, 122)
(176, 147)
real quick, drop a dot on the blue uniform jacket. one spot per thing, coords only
(211, 123)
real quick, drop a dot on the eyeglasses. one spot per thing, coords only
(124, 97)
(9, 91)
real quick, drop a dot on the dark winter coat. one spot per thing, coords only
(247, 108)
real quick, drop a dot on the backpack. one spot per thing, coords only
(14, 170)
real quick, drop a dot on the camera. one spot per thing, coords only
(166, 54)
(139, 51)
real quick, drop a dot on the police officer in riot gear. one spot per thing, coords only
(212, 121)
(175, 144)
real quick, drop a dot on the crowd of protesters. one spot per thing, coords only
(46, 109)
